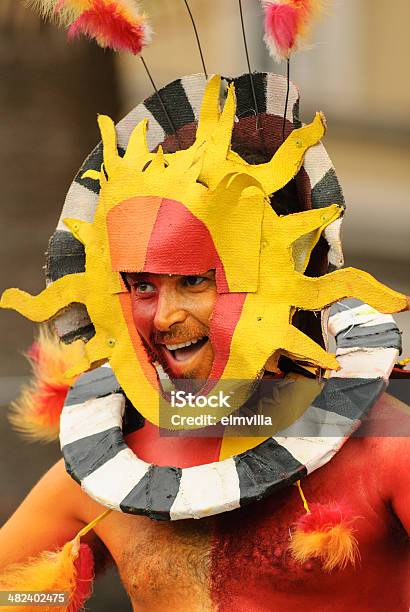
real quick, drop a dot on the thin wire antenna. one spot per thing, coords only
(197, 38)
(248, 62)
(287, 97)
(172, 126)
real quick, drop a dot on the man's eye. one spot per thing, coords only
(193, 281)
(144, 287)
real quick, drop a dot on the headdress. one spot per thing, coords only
(202, 189)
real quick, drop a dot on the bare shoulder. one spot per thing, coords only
(52, 513)
(380, 449)
(64, 493)
(393, 443)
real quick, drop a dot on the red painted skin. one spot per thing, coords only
(173, 248)
(251, 546)
(250, 567)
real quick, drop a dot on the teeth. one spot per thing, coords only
(173, 347)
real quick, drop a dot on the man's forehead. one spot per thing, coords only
(173, 242)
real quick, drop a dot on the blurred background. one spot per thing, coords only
(51, 91)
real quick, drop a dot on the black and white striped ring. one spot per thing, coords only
(97, 457)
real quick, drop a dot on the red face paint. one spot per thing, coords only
(162, 237)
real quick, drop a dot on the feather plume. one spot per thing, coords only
(114, 24)
(36, 413)
(325, 533)
(69, 570)
(287, 24)
(62, 12)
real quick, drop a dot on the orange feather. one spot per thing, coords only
(68, 570)
(36, 413)
(325, 533)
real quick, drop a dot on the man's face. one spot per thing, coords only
(172, 315)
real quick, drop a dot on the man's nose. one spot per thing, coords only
(169, 311)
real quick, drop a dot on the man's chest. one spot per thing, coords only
(242, 558)
(207, 563)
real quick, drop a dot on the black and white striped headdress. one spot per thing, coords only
(182, 98)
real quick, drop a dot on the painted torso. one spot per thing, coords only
(239, 561)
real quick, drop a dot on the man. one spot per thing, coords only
(239, 560)
(191, 308)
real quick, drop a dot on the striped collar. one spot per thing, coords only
(95, 419)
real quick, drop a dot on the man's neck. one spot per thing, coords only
(153, 446)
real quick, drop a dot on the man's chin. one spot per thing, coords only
(189, 382)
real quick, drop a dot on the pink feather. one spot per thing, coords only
(281, 26)
(287, 22)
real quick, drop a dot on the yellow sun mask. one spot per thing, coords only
(187, 212)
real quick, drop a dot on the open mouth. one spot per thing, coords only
(181, 357)
(185, 350)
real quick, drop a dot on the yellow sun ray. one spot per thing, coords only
(317, 293)
(137, 148)
(288, 159)
(96, 352)
(94, 175)
(299, 347)
(210, 113)
(264, 255)
(109, 138)
(50, 301)
(307, 221)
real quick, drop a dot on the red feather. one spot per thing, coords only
(117, 24)
(324, 516)
(50, 395)
(84, 566)
(326, 533)
(110, 26)
(36, 413)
